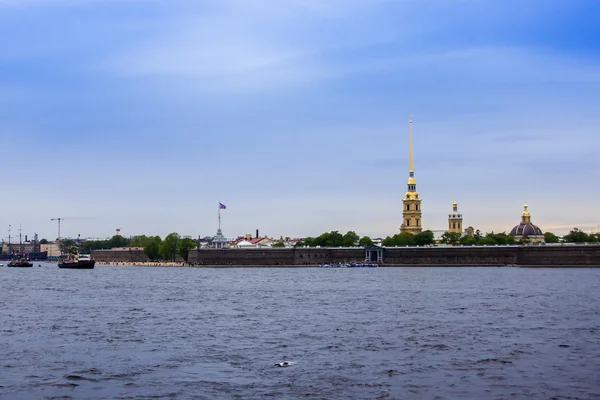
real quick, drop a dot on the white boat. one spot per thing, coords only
(338, 265)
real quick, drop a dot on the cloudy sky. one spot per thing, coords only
(143, 114)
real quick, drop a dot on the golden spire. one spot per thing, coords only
(526, 217)
(411, 167)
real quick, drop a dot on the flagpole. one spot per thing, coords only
(219, 216)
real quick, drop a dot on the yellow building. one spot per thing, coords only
(455, 220)
(411, 212)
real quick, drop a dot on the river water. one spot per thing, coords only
(373, 333)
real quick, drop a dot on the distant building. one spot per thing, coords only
(526, 230)
(411, 212)
(219, 241)
(262, 241)
(52, 248)
(470, 231)
(13, 248)
(455, 220)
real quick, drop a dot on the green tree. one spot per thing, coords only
(139, 241)
(152, 248)
(488, 240)
(404, 239)
(467, 240)
(334, 239)
(502, 238)
(365, 241)
(169, 246)
(450, 237)
(388, 242)
(350, 239)
(278, 245)
(576, 236)
(550, 237)
(44, 241)
(68, 246)
(306, 242)
(184, 246)
(424, 238)
(118, 241)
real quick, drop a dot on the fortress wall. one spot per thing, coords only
(540, 256)
(562, 255)
(268, 257)
(311, 256)
(340, 255)
(225, 257)
(451, 256)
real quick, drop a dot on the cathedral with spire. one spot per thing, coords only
(411, 214)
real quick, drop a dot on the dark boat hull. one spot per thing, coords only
(78, 265)
(22, 265)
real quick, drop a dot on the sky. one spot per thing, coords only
(144, 114)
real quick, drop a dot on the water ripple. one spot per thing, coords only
(387, 333)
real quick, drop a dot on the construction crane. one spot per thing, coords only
(57, 219)
(119, 230)
(62, 219)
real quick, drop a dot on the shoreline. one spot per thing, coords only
(183, 264)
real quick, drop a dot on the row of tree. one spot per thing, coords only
(336, 239)
(155, 248)
(174, 245)
(574, 236)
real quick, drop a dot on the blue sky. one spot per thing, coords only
(144, 114)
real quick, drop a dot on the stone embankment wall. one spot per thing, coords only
(440, 256)
(560, 256)
(534, 256)
(565, 255)
(275, 257)
(392, 256)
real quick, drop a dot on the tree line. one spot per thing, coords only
(425, 238)
(335, 239)
(155, 248)
(173, 245)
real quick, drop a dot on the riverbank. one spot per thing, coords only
(176, 264)
(532, 256)
(143, 264)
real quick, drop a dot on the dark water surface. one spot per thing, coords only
(385, 333)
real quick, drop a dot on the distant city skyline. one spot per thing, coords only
(145, 115)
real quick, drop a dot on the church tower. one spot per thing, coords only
(411, 212)
(455, 220)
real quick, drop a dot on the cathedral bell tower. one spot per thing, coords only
(455, 220)
(411, 212)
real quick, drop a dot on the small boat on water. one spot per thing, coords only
(348, 265)
(78, 262)
(20, 262)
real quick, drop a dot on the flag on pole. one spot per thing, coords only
(222, 206)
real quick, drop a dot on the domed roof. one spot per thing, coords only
(526, 228)
(455, 214)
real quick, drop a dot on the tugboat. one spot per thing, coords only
(78, 262)
(19, 262)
